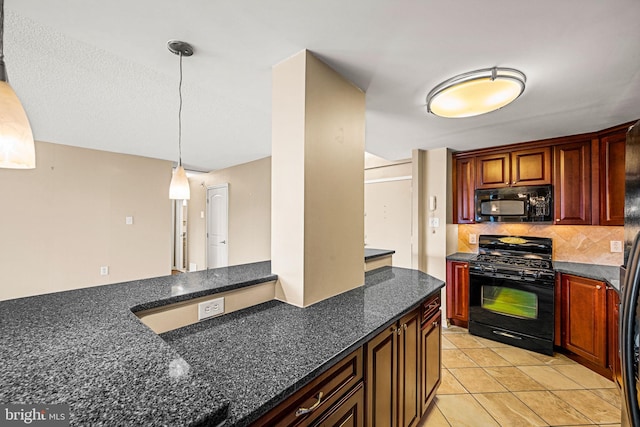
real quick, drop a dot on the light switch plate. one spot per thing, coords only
(434, 222)
(104, 270)
(210, 308)
(128, 220)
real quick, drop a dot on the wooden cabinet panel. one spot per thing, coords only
(464, 189)
(458, 293)
(572, 183)
(584, 318)
(493, 170)
(612, 179)
(431, 372)
(613, 316)
(382, 378)
(322, 394)
(409, 369)
(349, 412)
(531, 167)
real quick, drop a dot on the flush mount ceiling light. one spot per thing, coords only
(477, 92)
(179, 187)
(17, 150)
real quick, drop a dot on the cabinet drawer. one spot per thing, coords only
(430, 307)
(318, 396)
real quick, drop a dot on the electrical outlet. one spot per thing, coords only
(616, 245)
(473, 239)
(128, 220)
(210, 308)
(104, 270)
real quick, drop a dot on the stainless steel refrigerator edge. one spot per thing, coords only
(630, 282)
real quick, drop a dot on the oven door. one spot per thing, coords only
(512, 310)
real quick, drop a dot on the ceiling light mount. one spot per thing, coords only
(476, 92)
(180, 48)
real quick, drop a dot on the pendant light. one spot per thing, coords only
(17, 149)
(179, 187)
(477, 92)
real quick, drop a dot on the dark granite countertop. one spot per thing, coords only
(607, 273)
(86, 347)
(370, 253)
(461, 256)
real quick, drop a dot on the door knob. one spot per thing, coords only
(224, 242)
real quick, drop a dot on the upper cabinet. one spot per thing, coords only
(464, 189)
(572, 183)
(612, 179)
(586, 171)
(515, 168)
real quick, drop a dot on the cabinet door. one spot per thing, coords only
(409, 369)
(531, 167)
(430, 359)
(613, 316)
(382, 377)
(464, 188)
(493, 171)
(349, 412)
(458, 293)
(612, 179)
(572, 183)
(584, 318)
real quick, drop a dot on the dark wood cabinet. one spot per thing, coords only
(572, 183)
(464, 190)
(493, 170)
(393, 363)
(349, 412)
(323, 397)
(531, 167)
(458, 293)
(613, 317)
(612, 178)
(403, 368)
(584, 318)
(431, 372)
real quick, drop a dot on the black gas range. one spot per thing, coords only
(511, 291)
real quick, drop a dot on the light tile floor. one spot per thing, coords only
(485, 383)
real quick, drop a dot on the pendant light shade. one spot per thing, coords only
(179, 187)
(17, 149)
(475, 93)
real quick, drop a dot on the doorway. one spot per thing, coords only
(218, 226)
(179, 235)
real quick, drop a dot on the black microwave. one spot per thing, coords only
(515, 204)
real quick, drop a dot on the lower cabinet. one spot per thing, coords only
(587, 322)
(584, 318)
(430, 360)
(458, 293)
(394, 376)
(403, 368)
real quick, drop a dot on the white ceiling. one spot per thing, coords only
(98, 74)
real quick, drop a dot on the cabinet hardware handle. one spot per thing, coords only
(598, 287)
(557, 219)
(435, 324)
(506, 183)
(404, 326)
(399, 331)
(393, 329)
(304, 411)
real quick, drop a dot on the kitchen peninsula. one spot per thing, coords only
(86, 348)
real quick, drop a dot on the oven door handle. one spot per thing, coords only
(506, 334)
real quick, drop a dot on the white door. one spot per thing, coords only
(179, 235)
(218, 226)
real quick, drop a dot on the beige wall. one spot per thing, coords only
(575, 243)
(65, 219)
(249, 213)
(387, 197)
(317, 206)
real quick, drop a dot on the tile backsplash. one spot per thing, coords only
(575, 243)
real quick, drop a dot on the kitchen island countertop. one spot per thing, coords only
(86, 347)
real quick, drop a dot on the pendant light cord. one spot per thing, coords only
(179, 114)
